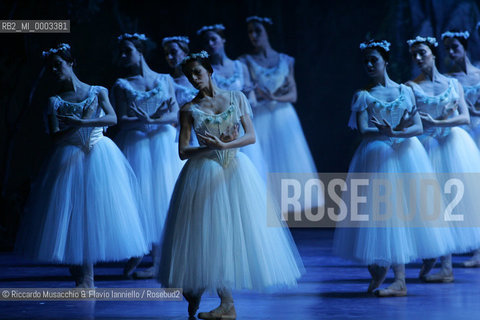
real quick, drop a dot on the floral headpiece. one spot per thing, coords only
(193, 56)
(372, 44)
(176, 38)
(419, 39)
(450, 34)
(128, 36)
(210, 28)
(260, 19)
(60, 47)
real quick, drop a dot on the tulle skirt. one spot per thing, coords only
(84, 209)
(153, 155)
(216, 233)
(281, 138)
(395, 241)
(454, 151)
(474, 129)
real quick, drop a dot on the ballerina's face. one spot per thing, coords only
(374, 63)
(129, 55)
(257, 34)
(173, 54)
(198, 76)
(61, 69)
(454, 48)
(214, 43)
(422, 55)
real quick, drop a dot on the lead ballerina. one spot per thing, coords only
(385, 114)
(85, 208)
(216, 235)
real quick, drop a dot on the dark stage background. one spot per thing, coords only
(323, 36)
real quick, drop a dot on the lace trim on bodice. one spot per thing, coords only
(149, 101)
(377, 103)
(271, 78)
(449, 94)
(137, 94)
(235, 82)
(154, 102)
(392, 111)
(437, 106)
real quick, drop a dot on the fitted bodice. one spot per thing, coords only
(222, 123)
(391, 111)
(438, 105)
(269, 78)
(236, 82)
(83, 137)
(155, 102)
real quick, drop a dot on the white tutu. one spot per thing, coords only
(455, 152)
(84, 209)
(281, 138)
(152, 152)
(394, 241)
(166, 168)
(216, 233)
(474, 129)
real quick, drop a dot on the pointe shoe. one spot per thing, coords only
(76, 272)
(130, 266)
(144, 274)
(193, 303)
(427, 266)
(378, 276)
(472, 263)
(222, 312)
(87, 278)
(440, 277)
(396, 289)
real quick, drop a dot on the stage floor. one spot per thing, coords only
(331, 289)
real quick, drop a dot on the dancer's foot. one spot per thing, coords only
(378, 274)
(130, 266)
(397, 289)
(76, 272)
(427, 266)
(193, 303)
(87, 277)
(224, 311)
(443, 276)
(144, 274)
(474, 262)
